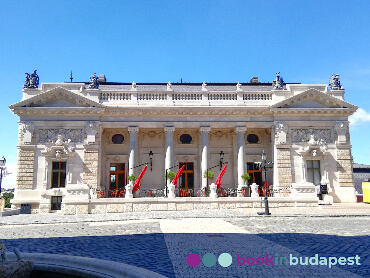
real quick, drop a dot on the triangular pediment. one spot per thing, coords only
(313, 99)
(57, 97)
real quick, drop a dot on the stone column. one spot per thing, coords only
(132, 161)
(205, 152)
(169, 130)
(240, 130)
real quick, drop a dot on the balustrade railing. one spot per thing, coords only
(151, 193)
(257, 96)
(184, 192)
(114, 96)
(186, 96)
(152, 96)
(222, 96)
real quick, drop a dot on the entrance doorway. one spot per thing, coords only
(187, 176)
(254, 171)
(117, 176)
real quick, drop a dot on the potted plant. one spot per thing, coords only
(246, 177)
(132, 178)
(170, 175)
(211, 175)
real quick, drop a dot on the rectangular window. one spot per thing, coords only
(56, 202)
(117, 176)
(58, 174)
(313, 171)
(254, 171)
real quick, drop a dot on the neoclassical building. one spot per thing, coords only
(76, 138)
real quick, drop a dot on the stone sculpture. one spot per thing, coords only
(334, 83)
(94, 82)
(32, 80)
(278, 83)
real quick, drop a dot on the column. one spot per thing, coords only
(132, 161)
(169, 130)
(205, 152)
(240, 130)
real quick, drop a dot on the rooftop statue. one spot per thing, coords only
(278, 83)
(133, 85)
(334, 82)
(169, 86)
(204, 86)
(32, 81)
(94, 82)
(238, 86)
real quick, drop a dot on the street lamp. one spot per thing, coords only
(265, 167)
(151, 160)
(2, 168)
(221, 159)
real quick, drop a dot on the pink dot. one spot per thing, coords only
(193, 259)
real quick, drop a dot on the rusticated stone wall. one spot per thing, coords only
(90, 174)
(284, 167)
(345, 167)
(25, 169)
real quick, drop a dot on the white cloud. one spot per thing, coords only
(359, 117)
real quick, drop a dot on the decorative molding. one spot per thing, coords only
(109, 133)
(192, 132)
(91, 129)
(133, 129)
(169, 129)
(240, 129)
(281, 130)
(59, 148)
(219, 137)
(341, 129)
(75, 135)
(27, 128)
(311, 135)
(205, 129)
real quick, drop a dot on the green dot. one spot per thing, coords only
(225, 259)
(209, 260)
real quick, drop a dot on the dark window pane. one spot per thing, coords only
(63, 165)
(190, 166)
(56, 202)
(55, 165)
(258, 178)
(62, 179)
(118, 139)
(121, 180)
(121, 166)
(54, 181)
(191, 180)
(249, 166)
(252, 139)
(185, 139)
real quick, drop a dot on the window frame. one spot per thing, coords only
(59, 171)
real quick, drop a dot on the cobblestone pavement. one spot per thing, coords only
(161, 241)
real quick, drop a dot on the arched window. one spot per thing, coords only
(185, 139)
(252, 139)
(118, 139)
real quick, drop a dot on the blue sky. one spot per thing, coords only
(212, 41)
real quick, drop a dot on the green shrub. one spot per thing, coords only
(211, 175)
(132, 178)
(170, 175)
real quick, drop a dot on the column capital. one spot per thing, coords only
(169, 129)
(133, 129)
(205, 129)
(240, 129)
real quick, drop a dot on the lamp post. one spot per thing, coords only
(265, 166)
(2, 168)
(151, 161)
(221, 159)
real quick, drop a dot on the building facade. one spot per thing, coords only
(75, 138)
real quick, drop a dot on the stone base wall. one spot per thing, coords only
(284, 166)
(25, 169)
(184, 204)
(90, 174)
(345, 167)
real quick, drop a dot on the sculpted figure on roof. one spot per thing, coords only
(94, 82)
(334, 82)
(32, 80)
(278, 83)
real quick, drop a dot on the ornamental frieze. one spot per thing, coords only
(302, 135)
(75, 135)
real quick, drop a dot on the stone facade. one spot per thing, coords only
(75, 140)
(25, 169)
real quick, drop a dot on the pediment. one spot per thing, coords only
(58, 97)
(313, 99)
